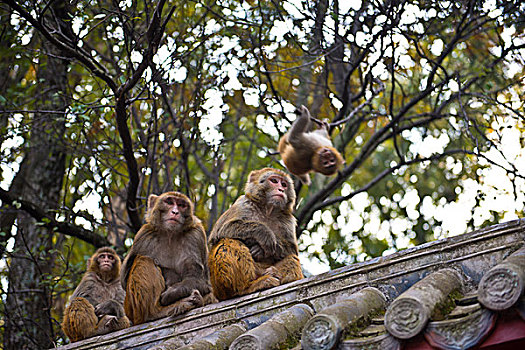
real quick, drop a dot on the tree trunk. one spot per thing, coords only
(28, 320)
(7, 81)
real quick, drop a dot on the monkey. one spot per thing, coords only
(253, 244)
(303, 149)
(165, 272)
(96, 306)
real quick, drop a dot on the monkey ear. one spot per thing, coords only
(152, 199)
(253, 176)
(90, 265)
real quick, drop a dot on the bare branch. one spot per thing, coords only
(67, 46)
(50, 222)
(389, 171)
(154, 34)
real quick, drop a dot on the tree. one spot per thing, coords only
(39, 180)
(422, 97)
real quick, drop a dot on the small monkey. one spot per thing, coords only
(96, 306)
(304, 150)
(165, 272)
(253, 244)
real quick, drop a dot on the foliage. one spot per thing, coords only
(423, 100)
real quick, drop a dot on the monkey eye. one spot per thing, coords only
(276, 180)
(169, 201)
(182, 204)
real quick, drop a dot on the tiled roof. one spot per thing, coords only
(448, 294)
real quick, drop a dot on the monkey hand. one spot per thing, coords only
(269, 252)
(109, 307)
(257, 252)
(273, 272)
(107, 324)
(279, 254)
(172, 294)
(111, 322)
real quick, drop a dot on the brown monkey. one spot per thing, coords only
(253, 244)
(165, 272)
(304, 150)
(96, 304)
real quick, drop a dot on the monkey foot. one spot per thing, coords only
(263, 282)
(209, 299)
(272, 272)
(186, 304)
(195, 298)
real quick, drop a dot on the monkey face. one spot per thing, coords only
(271, 187)
(106, 261)
(277, 190)
(170, 210)
(175, 210)
(328, 161)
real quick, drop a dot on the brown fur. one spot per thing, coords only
(96, 306)
(253, 244)
(303, 149)
(165, 272)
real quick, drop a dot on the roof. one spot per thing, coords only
(453, 294)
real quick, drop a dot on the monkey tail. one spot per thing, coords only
(79, 319)
(232, 268)
(145, 284)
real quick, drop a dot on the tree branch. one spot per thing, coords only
(73, 51)
(154, 34)
(386, 172)
(50, 222)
